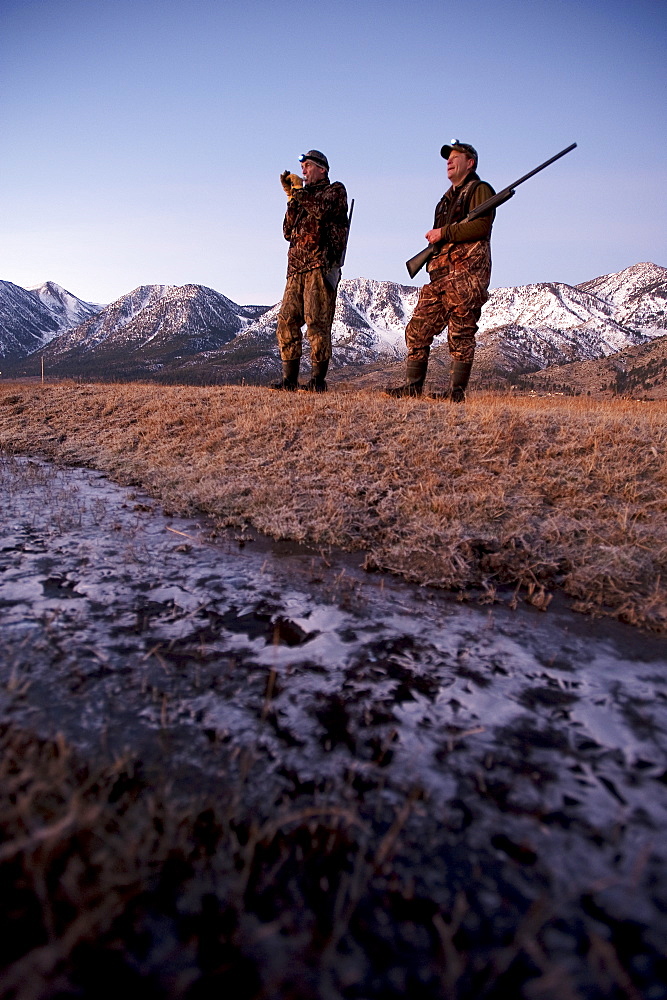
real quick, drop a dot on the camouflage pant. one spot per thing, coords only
(307, 299)
(453, 299)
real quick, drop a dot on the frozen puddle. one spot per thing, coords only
(544, 735)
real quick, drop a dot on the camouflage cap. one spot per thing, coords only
(463, 147)
(317, 157)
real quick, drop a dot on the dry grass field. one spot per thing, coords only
(503, 498)
(307, 851)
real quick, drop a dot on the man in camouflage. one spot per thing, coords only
(460, 272)
(316, 226)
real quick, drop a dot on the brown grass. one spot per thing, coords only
(502, 493)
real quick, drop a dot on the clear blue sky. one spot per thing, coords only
(141, 140)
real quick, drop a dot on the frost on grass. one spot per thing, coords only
(502, 495)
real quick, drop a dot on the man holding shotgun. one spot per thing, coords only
(459, 262)
(460, 272)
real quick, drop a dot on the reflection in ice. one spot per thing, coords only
(546, 729)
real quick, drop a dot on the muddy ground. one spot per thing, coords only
(427, 799)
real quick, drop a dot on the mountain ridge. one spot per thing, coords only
(31, 317)
(193, 333)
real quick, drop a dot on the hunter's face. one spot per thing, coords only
(312, 172)
(459, 166)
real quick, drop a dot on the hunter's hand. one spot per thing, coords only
(433, 236)
(286, 182)
(290, 182)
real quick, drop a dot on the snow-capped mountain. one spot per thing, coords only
(67, 309)
(30, 318)
(370, 319)
(154, 324)
(525, 328)
(193, 332)
(369, 323)
(564, 316)
(638, 295)
(535, 326)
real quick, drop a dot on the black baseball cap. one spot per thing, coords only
(317, 157)
(463, 147)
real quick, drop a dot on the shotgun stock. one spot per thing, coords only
(415, 264)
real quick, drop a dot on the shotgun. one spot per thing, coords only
(416, 263)
(332, 277)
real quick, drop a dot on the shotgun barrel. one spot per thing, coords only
(415, 264)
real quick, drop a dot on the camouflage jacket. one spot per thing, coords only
(316, 226)
(452, 209)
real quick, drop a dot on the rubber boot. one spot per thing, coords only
(416, 374)
(290, 379)
(317, 379)
(459, 375)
